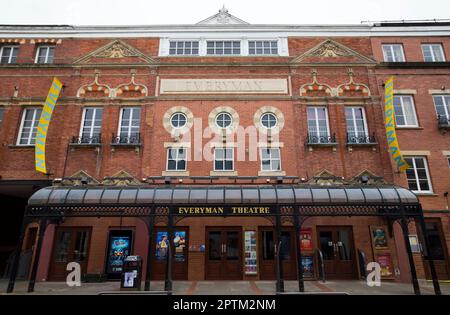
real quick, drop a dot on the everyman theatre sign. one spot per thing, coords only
(44, 121)
(222, 211)
(390, 126)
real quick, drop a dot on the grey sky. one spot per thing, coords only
(134, 12)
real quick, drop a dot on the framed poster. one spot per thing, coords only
(414, 243)
(306, 240)
(250, 262)
(179, 244)
(308, 266)
(119, 248)
(162, 243)
(385, 261)
(379, 237)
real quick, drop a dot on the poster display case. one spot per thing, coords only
(250, 261)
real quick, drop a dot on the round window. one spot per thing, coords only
(268, 120)
(224, 120)
(178, 120)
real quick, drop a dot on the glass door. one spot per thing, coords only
(71, 245)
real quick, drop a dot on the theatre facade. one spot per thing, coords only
(224, 150)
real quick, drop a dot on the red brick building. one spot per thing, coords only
(225, 104)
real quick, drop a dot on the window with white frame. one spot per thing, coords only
(417, 175)
(318, 128)
(433, 52)
(356, 125)
(448, 160)
(393, 53)
(8, 54)
(227, 47)
(224, 120)
(269, 120)
(405, 113)
(28, 126)
(178, 120)
(181, 47)
(223, 159)
(263, 47)
(270, 159)
(45, 54)
(1, 115)
(130, 120)
(442, 105)
(176, 159)
(91, 125)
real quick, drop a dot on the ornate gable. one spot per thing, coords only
(121, 178)
(330, 51)
(78, 179)
(223, 17)
(327, 178)
(114, 51)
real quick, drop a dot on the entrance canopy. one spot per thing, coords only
(310, 200)
(285, 195)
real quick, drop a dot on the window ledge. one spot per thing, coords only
(21, 146)
(223, 173)
(271, 173)
(408, 128)
(175, 173)
(85, 145)
(125, 145)
(425, 194)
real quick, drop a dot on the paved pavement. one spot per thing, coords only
(233, 287)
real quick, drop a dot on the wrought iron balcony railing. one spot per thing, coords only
(132, 139)
(353, 139)
(315, 139)
(443, 122)
(95, 140)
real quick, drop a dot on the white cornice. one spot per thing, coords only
(7, 31)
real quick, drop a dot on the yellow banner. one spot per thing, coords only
(390, 126)
(44, 121)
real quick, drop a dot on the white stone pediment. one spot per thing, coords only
(223, 17)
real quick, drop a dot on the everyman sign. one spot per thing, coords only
(390, 126)
(44, 121)
(225, 210)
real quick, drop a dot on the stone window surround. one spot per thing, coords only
(223, 109)
(164, 45)
(168, 125)
(269, 109)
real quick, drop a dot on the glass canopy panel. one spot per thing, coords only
(93, 196)
(110, 196)
(163, 195)
(128, 196)
(233, 196)
(372, 195)
(58, 196)
(75, 196)
(267, 195)
(303, 195)
(198, 195)
(355, 195)
(180, 196)
(145, 195)
(215, 195)
(250, 195)
(40, 197)
(389, 195)
(285, 195)
(337, 195)
(407, 196)
(320, 195)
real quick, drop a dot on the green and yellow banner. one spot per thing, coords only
(44, 121)
(390, 126)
